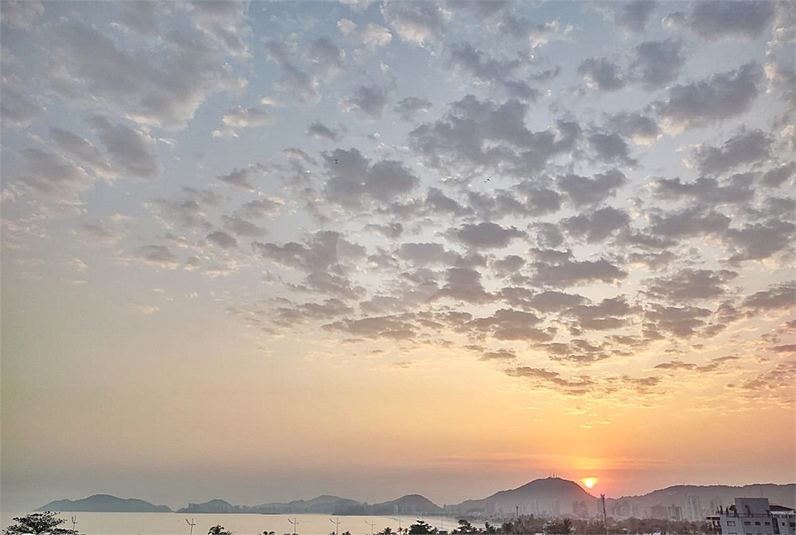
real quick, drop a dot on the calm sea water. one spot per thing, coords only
(238, 524)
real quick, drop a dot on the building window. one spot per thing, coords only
(757, 523)
(731, 522)
(747, 523)
(767, 523)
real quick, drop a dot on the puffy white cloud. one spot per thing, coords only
(371, 35)
(239, 117)
(415, 22)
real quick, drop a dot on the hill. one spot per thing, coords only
(104, 503)
(707, 499)
(551, 496)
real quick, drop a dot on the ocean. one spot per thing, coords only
(238, 524)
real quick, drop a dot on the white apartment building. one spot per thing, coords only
(754, 516)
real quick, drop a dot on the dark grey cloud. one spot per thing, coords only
(688, 222)
(690, 284)
(467, 59)
(426, 253)
(326, 58)
(242, 227)
(260, 208)
(320, 253)
(657, 63)
(567, 272)
(555, 301)
(725, 19)
(464, 284)
(682, 322)
(598, 225)
(133, 152)
(548, 235)
(547, 379)
(377, 327)
(759, 241)
(641, 129)
(537, 34)
(601, 74)
(320, 130)
(778, 175)
(488, 235)
(633, 16)
(367, 101)
(158, 255)
(353, 179)
(54, 175)
(477, 134)
(331, 284)
(585, 191)
(71, 143)
(241, 178)
(221, 239)
(611, 313)
(508, 265)
(705, 102)
(508, 324)
(611, 148)
(300, 314)
(747, 147)
(407, 107)
(438, 202)
(707, 190)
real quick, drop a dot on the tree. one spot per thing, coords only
(421, 528)
(218, 529)
(39, 524)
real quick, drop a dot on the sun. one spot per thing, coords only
(589, 481)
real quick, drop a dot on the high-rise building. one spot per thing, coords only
(693, 510)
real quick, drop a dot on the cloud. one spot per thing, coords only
(225, 22)
(725, 19)
(707, 190)
(71, 143)
(326, 58)
(295, 84)
(488, 235)
(690, 284)
(320, 130)
(555, 301)
(565, 272)
(54, 175)
(353, 179)
(582, 190)
(657, 63)
(221, 239)
(702, 103)
(601, 74)
(240, 178)
(552, 380)
(477, 134)
(157, 255)
(371, 35)
(320, 253)
(242, 227)
(407, 107)
(682, 322)
(776, 297)
(426, 253)
(537, 34)
(745, 147)
(463, 284)
(759, 241)
(641, 129)
(19, 107)
(158, 88)
(389, 327)
(21, 14)
(598, 225)
(475, 63)
(416, 22)
(633, 16)
(688, 222)
(239, 117)
(611, 313)
(134, 152)
(611, 148)
(778, 175)
(508, 324)
(368, 102)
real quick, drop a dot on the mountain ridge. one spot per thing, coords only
(543, 497)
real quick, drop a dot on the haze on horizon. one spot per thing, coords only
(265, 251)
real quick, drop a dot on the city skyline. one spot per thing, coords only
(266, 251)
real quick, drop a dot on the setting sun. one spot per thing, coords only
(589, 482)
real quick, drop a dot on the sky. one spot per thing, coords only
(270, 250)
